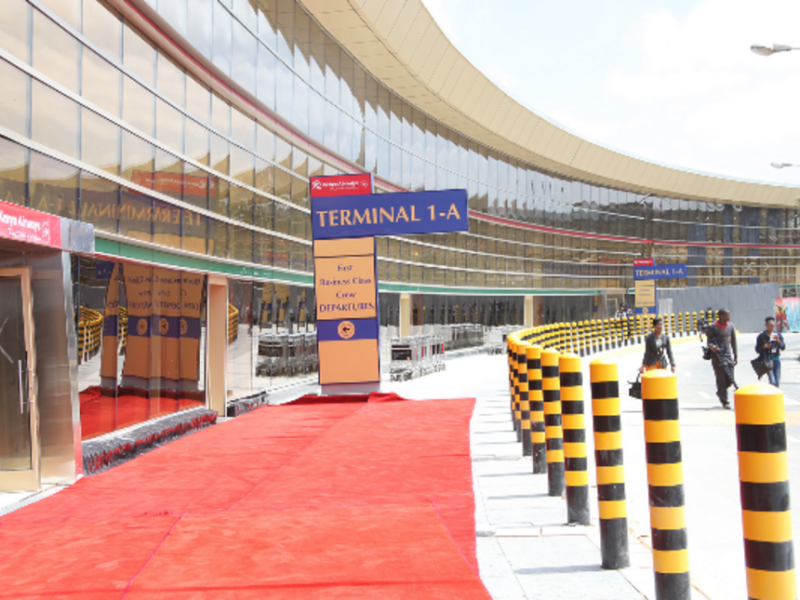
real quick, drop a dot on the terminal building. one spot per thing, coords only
(155, 242)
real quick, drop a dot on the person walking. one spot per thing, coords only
(657, 349)
(721, 336)
(769, 344)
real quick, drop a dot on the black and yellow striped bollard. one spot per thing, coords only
(575, 461)
(515, 414)
(537, 409)
(665, 482)
(609, 464)
(764, 490)
(554, 437)
(524, 403)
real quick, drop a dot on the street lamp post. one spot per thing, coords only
(767, 51)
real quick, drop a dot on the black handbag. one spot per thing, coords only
(707, 353)
(635, 391)
(762, 365)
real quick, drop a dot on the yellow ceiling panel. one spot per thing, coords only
(388, 17)
(402, 25)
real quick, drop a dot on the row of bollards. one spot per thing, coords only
(548, 412)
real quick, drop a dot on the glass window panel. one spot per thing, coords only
(13, 172)
(100, 82)
(267, 76)
(171, 80)
(220, 115)
(332, 83)
(196, 142)
(317, 58)
(99, 202)
(14, 18)
(14, 99)
(241, 204)
(55, 52)
(199, 25)
(194, 232)
(265, 143)
(281, 253)
(316, 116)
(302, 43)
(242, 165)
(53, 186)
(246, 11)
(244, 56)
(166, 224)
(220, 154)
(138, 106)
(169, 179)
(221, 47)
(198, 185)
(283, 185)
(218, 239)
(264, 212)
(285, 96)
(331, 125)
(265, 176)
(137, 160)
(138, 54)
(301, 104)
(100, 142)
(299, 192)
(68, 10)
(299, 226)
(283, 153)
(54, 120)
(267, 22)
(169, 126)
(286, 30)
(198, 99)
(102, 25)
(243, 128)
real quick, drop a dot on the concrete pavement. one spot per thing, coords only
(524, 549)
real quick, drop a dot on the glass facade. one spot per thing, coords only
(99, 123)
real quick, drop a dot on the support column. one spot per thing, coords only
(405, 315)
(528, 311)
(217, 343)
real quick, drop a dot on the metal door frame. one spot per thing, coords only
(29, 479)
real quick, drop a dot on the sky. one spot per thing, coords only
(671, 82)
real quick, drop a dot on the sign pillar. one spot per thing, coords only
(345, 221)
(348, 326)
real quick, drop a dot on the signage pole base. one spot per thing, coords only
(336, 389)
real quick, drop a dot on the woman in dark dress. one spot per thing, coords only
(657, 349)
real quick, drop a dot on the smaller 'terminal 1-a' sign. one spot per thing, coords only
(660, 272)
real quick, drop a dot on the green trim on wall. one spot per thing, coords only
(168, 259)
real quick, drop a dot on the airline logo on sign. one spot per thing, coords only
(341, 185)
(28, 225)
(643, 262)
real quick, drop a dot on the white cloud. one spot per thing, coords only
(700, 98)
(502, 77)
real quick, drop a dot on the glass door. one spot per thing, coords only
(19, 422)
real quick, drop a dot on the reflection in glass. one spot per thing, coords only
(14, 99)
(53, 186)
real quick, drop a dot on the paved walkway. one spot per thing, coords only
(524, 549)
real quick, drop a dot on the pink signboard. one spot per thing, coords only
(643, 262)
(27, 225)
(341, 185)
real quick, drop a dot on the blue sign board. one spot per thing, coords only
(389, 214)
(660, 272)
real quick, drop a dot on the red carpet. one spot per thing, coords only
(336, 500)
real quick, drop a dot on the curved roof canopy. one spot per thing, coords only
(400, 44)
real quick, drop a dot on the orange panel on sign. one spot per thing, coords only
(345, 287)
(344, 247)
(354, 361)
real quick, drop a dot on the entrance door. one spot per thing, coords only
(19, 420)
